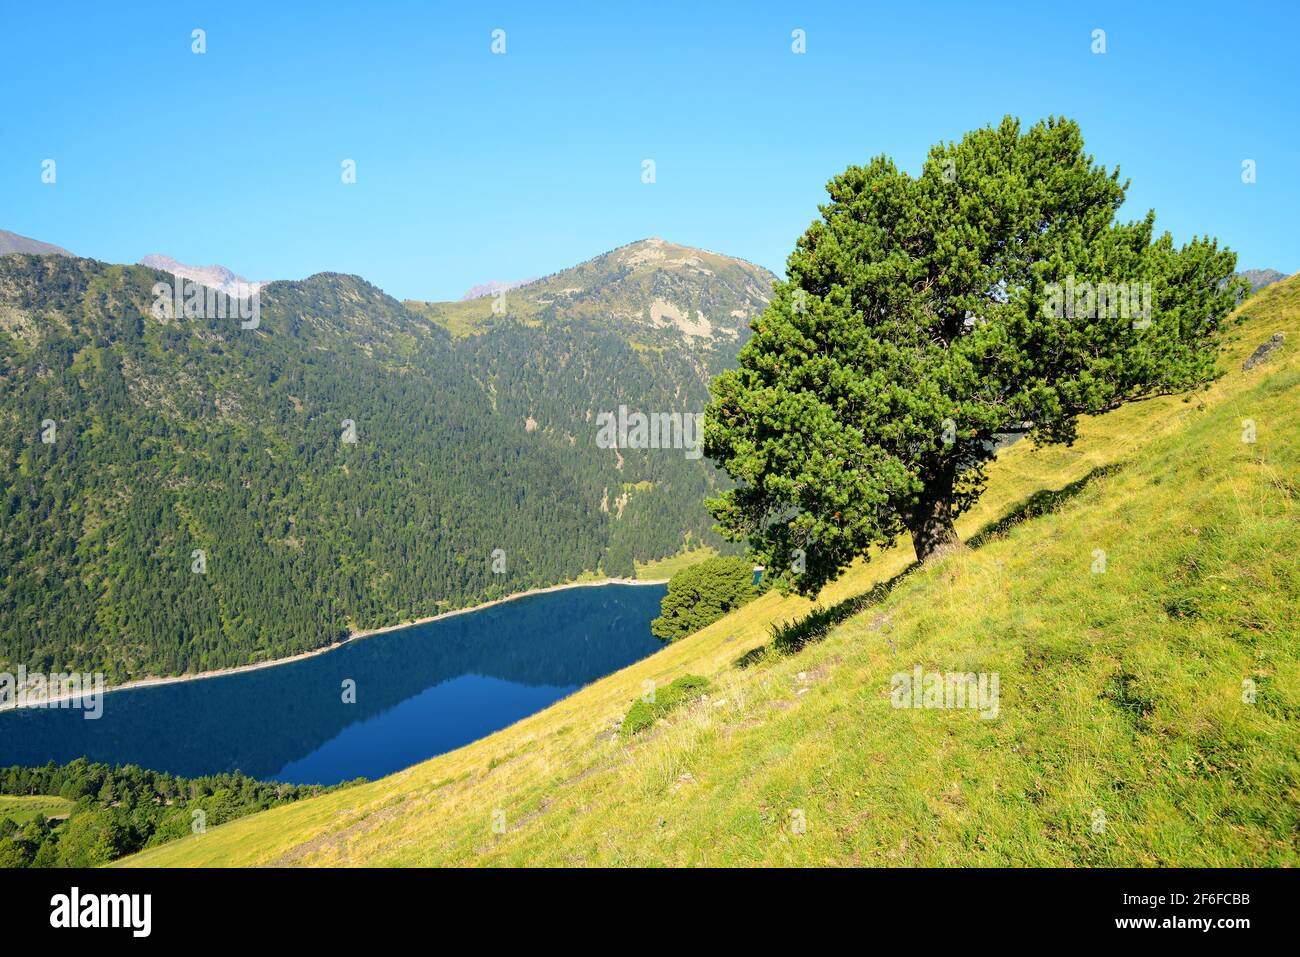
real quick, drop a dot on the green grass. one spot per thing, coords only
(471, 317)
(28, 808)
(1122, 737)
(665, 568)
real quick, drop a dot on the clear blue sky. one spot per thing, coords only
(473, 166)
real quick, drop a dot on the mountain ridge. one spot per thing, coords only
(14, 243)
(214, 276)
(1261, 278)
(655, 289)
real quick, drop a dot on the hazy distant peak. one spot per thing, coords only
(492, 287)
(1259, 278)
(13, 243)
(214, 276)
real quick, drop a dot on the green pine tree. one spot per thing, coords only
(924, 319)
(700, 594)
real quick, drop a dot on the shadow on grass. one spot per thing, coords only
(1042, 502)
(789, 637)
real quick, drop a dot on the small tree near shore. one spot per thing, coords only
(924, 319)
(700, 594)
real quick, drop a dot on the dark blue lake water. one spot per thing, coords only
(420, 691)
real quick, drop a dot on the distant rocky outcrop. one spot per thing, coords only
(214, 277)
(1262, 353)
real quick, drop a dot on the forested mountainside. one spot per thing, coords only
(182, 494)
(647, 325)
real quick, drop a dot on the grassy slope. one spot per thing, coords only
(670, 566)
(470, 317)
(1120, 691)
(24, 808)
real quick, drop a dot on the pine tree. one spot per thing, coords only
(924, 319)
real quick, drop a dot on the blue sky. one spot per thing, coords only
(473, 166)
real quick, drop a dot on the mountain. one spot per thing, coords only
(655, 293)
(1259, 278)
(13, 243)
(214, 276)
(183, 494)
(646, 326)
(1146, 713)
(492, 287)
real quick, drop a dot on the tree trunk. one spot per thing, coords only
(933, 535)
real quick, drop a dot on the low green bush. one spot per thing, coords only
(644, 713)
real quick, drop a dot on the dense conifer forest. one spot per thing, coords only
(183, 494)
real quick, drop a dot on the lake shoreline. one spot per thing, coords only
(354, 635)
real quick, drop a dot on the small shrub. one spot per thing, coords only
(644, 713)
